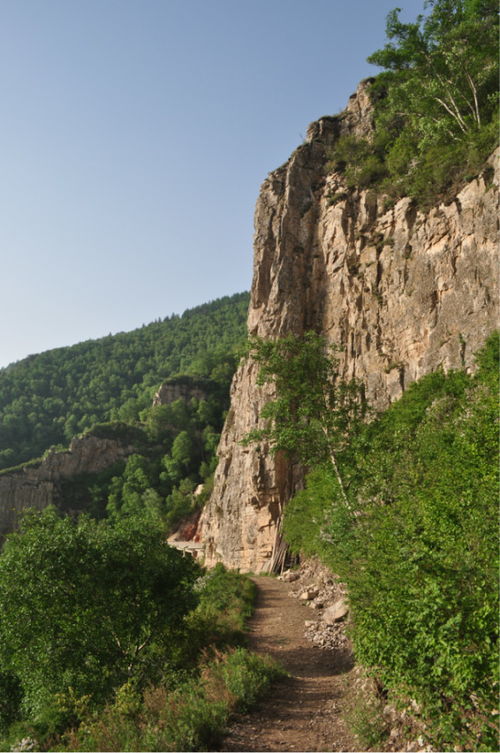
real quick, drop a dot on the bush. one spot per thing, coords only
(247, 676)
(192, 717)
(86, 605)
(420, 554)
(359, 159)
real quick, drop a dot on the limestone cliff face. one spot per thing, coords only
(36, 486)
(173, 390)
(404, 292)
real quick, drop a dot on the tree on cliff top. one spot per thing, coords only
(444, 67)
(436, 104)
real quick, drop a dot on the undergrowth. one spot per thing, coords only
(205, 677)
(418, 548)
(191, 717)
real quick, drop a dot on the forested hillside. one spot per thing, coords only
(46, 399)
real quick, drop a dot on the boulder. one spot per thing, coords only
(290, 576)
(309, 594)
(336, 612)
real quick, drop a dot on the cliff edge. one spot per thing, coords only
(404, 292)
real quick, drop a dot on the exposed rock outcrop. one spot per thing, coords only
(38, 485)
(403, 291)
(183, 388)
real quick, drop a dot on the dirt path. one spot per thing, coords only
(302, 713)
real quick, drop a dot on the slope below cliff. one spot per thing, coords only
(404, 292)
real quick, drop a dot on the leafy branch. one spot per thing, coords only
(313, 410)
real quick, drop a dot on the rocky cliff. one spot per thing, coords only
(38, 485)
(181, 388)
(403, 291)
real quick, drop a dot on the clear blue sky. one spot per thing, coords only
(135, 136)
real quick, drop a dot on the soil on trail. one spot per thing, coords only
(304, 711)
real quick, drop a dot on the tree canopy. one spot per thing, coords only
(446, 66)
(436, 103)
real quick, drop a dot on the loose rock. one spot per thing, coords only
(336, 612)
(309, 594)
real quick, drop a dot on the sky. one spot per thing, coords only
(135, 135)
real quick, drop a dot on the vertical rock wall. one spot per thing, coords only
(404, 292)
(37, 485)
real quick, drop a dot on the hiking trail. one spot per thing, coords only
(302, 712)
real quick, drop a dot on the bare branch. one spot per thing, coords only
(474, 94)
(458, 118)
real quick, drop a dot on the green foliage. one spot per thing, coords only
(86, 605)
(362, 163)
(192, 717)
(226, 602)
(313, 409)
(445, 65)
(47, 399)
(175, 452)
(180, 455)
(419, 556)
(111, 640)
(11, 696)
(436, 104)
(246, 676)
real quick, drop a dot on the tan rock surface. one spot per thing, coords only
(403, 291)
(36, 486)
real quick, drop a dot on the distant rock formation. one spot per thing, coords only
(182, 387)
(38, 485)
(402, 291)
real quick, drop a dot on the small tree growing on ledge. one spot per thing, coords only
(314, 410)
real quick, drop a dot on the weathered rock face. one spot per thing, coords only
(36, 486)
(172, 390)
(404, 292)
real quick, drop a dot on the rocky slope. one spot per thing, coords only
(403, 291)
(38, 485)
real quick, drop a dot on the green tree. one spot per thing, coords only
(85, 606)
(313, 410)
(435, 104)
(180, 460)
(446, 65)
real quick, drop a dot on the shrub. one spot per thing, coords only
(191, 717)
(85, 605)
(420, 554)
(247, 676)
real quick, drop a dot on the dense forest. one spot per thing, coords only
(48, 398)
